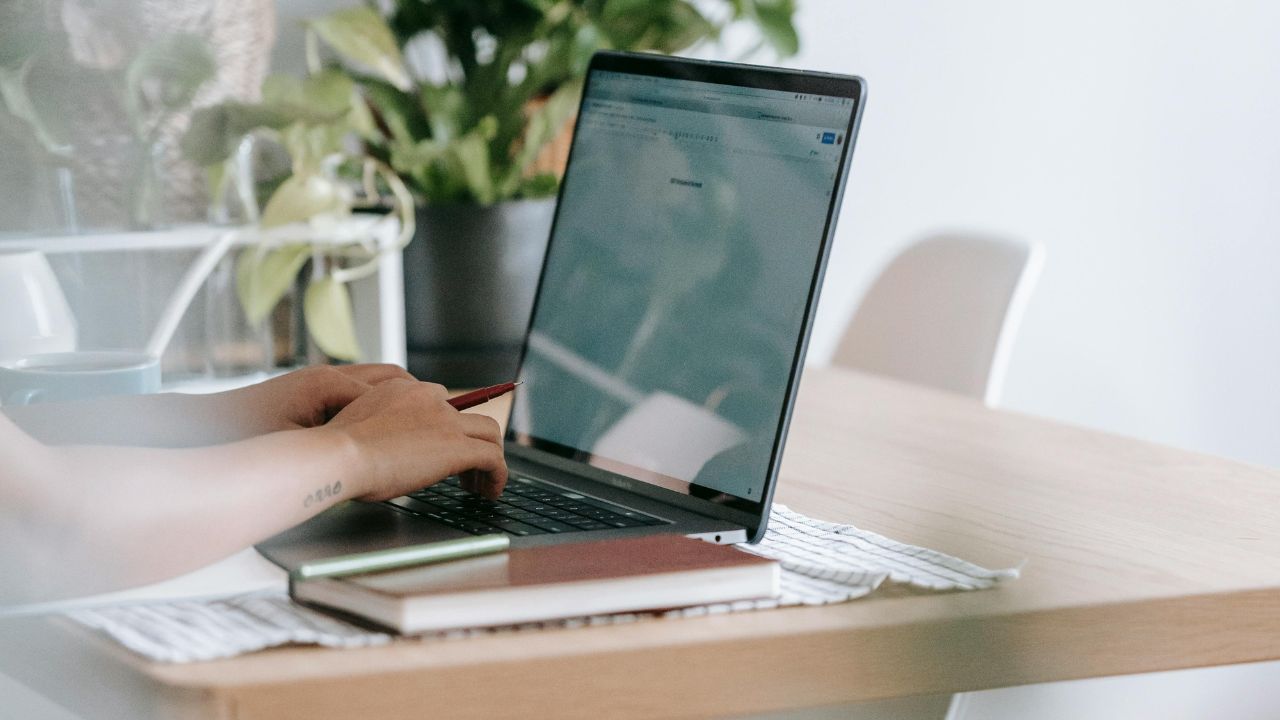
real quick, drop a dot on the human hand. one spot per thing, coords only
(408, 436)
(304, 398)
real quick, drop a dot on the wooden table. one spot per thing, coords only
(1137, 558)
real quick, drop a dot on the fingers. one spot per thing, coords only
(328, 390)
(484, 480)
(481, 427)
(413, 386)
(374, 373)
(415, 436)
(487, 471)
(488, 485)
(472, 481)
(341, 384)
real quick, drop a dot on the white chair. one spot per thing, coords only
(944, 313)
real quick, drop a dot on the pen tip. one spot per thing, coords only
(518, 382)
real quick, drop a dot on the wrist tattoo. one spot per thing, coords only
(322, 493)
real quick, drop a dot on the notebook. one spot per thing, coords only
(548, 583)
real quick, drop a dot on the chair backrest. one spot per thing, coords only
(944, 313)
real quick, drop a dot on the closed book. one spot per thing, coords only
(549, 583)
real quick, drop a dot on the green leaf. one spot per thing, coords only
(281, 89)
(415, 158)
(262, 279)
(168, 72)
(303, 197)
(586, 42)
(310, 145)
(329, 92)
(360, 118)
(775, 20)
(216, 131)
(446, 110)
(626, 22)
(400, 111)
(469, 156)
(540, 185)
(322, 107)
(362, 36)
(424, 164)
(619, 10)
(51, 134)
(684, 27)
(209, 139)
(326, 94)
(331, 320)
(544, 125)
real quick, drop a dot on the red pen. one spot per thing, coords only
(482, 396)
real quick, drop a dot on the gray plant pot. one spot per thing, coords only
(469, 279)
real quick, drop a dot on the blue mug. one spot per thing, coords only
(77, 375)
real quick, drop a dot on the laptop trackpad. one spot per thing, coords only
(351, 527)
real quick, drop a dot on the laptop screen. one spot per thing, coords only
(674, 302)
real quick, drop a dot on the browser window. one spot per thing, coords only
(674, 293)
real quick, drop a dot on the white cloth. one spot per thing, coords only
(821, 563)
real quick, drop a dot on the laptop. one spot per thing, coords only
(671, 319)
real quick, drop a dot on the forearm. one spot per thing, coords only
(80, 519)
(165, 420)
(110, 517)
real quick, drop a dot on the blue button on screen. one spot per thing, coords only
(828, 138)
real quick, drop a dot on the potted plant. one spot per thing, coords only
(308, 213)
(468, 104)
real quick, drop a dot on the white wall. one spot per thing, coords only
(1139, 141)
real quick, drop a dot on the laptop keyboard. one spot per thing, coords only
(526, 507)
